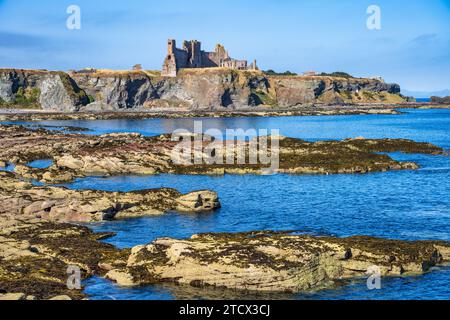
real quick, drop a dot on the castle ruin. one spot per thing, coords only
(192, 56)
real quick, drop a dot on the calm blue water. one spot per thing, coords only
(416, 125)
(423, 99)
(409, 205)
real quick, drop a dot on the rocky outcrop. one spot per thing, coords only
(198, 201)
(297, 91)
(274, 262)
(37, 246)
(193, 89)
(35, 257)
(54, 91)
(60, 204)
(370, 109)
(76, 155)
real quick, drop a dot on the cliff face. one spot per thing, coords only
(116, 90)
(192, 89)
(203, 89)
(48, 90)
(294, 91)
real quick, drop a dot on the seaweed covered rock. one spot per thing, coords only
(198, 201)
(274, 262)
(76, 155)
(21, 198)
(35, 257)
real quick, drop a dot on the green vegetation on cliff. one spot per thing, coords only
(337, 74)
(25, 98)
(264, 98)
(274, 73)
(73, 90)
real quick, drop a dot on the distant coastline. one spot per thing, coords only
(426, 94)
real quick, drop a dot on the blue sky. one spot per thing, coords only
(412, 48)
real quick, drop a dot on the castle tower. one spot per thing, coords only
(170, 67)
(196, 54)
(192, 56)
(254, 66)
(187, 47)
(221, 52)
(171, 46)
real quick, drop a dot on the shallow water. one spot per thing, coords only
(40, 164)
(408, 205)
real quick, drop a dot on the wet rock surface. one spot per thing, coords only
(89, 112)
(274, 262)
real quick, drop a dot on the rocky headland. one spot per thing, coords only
(213, 89)
(37, 89)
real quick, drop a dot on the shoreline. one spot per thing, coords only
(387, 109)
